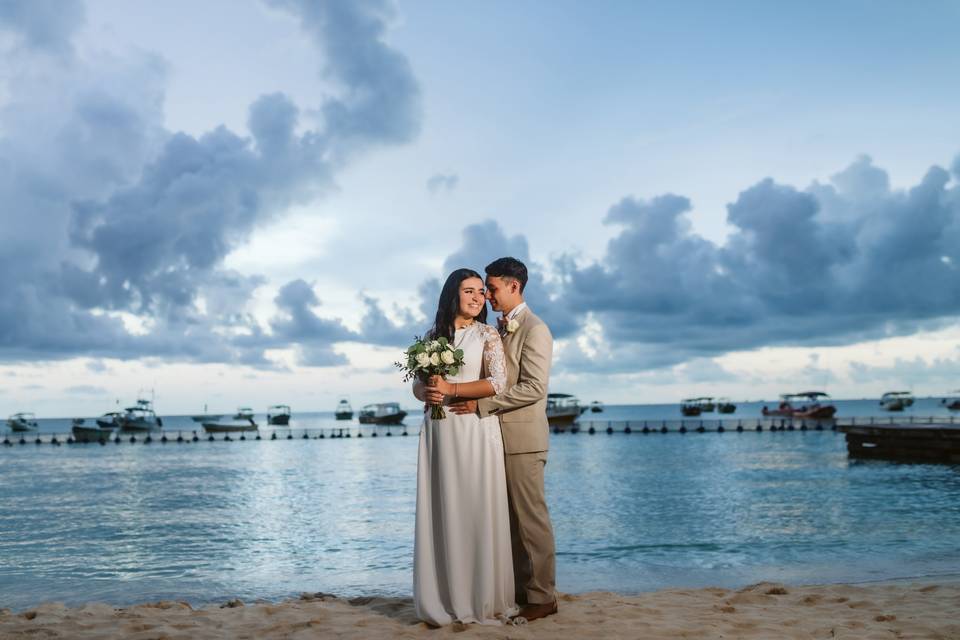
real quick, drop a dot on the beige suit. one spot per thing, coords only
(522, 410)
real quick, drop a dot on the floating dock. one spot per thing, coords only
(907, 441)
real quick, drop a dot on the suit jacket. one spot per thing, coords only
(522, 407)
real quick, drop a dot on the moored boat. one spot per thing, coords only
(230, 427)
(691, 407)
(807, 404)
(343, 411)
(243, 413)
(596, 406)
(896, 400)
(206, 417)
(382, 413)
(563, 409)
(140, 418)
(952, 402)
(724, 405)
(22, 421)
(83, 432)
(279, 415)
(110, 420)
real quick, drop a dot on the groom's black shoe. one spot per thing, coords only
(535, 611)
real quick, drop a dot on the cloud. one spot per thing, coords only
(943, 371)
(115, 229)
(46, 25)
(86, 390)
(835, 263)
(296, 324)
(481, 244)
(442, 182)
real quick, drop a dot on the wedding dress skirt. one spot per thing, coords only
(463, 563)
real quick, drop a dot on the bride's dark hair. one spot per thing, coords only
(449, 305)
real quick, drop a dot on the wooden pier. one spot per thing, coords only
(905, 440)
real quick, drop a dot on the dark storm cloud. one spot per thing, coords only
(105, 211)
(836, 263)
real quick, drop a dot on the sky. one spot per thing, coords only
(251, 202)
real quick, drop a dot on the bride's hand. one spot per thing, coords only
(441, 385)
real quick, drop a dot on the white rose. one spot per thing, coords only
(423, 359)
(434, 346)
(447, 357)
(513, 325)
(435, 358)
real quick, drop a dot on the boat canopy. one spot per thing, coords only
(812, 395)
(23, 415)
(281, 407)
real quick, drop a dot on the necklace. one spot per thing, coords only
(463, 335)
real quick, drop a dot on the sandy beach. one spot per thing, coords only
(765, 610)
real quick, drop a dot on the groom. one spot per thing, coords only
(522, 409)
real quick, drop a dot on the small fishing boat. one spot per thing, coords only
(596, 406)
(382, 413)
(343, 411)
(279, 415)
(243, 413)
(807, 404)
(206, 417)
(691, 407)
(952, 402)
(724, 405)
(896, 400)
(140, 418)
(23, 421)
(230, 427)
(563, 409)
(83, 432)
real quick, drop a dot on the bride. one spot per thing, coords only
(462, 566)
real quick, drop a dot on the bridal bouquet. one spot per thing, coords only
(427, 358)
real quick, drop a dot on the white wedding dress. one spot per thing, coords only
(463, 566)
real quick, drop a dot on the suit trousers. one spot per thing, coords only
(534, 557)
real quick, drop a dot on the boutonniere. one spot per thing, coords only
(513, 325)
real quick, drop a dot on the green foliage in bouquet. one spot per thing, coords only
(425, 358)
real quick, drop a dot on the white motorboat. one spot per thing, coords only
(279, 415)
(896, 400)
(23, 421)
(382, 413)
(243, 413)
(344, 411)
(563, 409)
(140, 418)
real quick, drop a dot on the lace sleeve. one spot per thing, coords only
(494, 359)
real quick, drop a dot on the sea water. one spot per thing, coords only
(207, 521)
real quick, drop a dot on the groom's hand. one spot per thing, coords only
(463, 407)
(433, 395)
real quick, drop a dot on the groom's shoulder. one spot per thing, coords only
(534, 322)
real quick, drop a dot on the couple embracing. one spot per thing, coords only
(484, 548)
